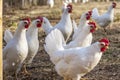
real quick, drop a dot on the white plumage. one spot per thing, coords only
(32, 38)
(84, 38)
(64, 25)
(73, 63)
(7, 36)
(105, 19)
(16, 49)
(83, 22)
(74, 25)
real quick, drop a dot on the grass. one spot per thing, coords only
(55, 13)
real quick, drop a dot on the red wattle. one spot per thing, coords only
(92, 30)
(26, 26)
(39, 25)
(103, 49)
(88, 17)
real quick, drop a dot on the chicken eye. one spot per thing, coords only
(25, 23)
(87, 14)
(102, 44)
(38, 21)
(91, 26)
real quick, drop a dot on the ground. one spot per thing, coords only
(42, 68)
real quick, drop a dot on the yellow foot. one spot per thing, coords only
(25, 72)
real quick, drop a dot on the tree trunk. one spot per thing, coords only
(1, 64)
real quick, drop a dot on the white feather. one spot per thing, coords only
(15, 51)
(95, 14)
(64, 25)
(33, 42)
(82, 23)
(83, 39)
(7, 36)
(54, 41)
(72, 63)
(105, 19)
(74, 25)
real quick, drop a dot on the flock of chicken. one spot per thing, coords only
(72, 60)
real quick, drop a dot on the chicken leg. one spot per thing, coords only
(18, 69)
(105, 31)
(25, 70)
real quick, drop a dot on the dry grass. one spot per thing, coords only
(55, 13)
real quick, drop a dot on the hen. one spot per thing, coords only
(83, 22)
(16, 49)
(73, 63)
(32, 40)
(84, 38)
(64, 25)
(105, 19)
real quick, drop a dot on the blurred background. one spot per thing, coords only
(28, 3)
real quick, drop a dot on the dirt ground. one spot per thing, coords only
(42, 68)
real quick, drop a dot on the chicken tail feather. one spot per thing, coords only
(7, 36)
(95, 13)
(54, 41)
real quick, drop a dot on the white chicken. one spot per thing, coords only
(105, 19)
(32, 40)
(64, 25)
(16, 49)
(73, 63)
(50, 3)
(84, 38)
(83, 22)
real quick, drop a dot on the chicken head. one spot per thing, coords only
(39, 21)
(104, 43)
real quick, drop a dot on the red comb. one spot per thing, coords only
(114, 3)
(93, 23)
(70, 8)
(40, 18)
(90, 12)
(105, 40)
(69, 5)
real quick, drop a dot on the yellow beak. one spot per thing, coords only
(96, 28)
(107, 47)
